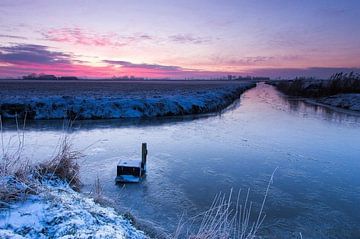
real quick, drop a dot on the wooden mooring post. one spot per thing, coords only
(144, 153)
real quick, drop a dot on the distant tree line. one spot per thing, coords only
(338, 83)
(254, 78)
(34, 76)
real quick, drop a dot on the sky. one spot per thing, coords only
(179, 39)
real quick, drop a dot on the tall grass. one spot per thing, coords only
(15, 182)
(97, 191)
(64, 165)
(338, 83)
(225, 219)
(20, 177)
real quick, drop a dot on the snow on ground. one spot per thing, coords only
(60, 212)
(120, 104)
(346, 101)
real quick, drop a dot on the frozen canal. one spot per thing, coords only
(316, 190)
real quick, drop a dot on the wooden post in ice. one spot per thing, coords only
(143, 156)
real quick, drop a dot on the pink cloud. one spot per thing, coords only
(24, 68)
(255, 61)
(23, 59)
(81, 36)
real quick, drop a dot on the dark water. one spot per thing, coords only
(316, 189)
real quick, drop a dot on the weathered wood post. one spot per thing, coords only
(143, 156)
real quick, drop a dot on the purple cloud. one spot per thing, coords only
(246, 61)
(12, 37)
(32, 54)
(188, 38)
(253, 60)
(144, 65)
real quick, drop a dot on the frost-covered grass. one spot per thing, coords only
(60, 212)
(144, 102)
(63, 165)
(345, 101)
(19, 177)
(16, 180)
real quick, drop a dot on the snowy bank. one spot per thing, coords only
(60, 212)
(120, 104)
(345, 101)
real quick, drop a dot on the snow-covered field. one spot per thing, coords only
(60, 212)
(345, 101)
(104, 100)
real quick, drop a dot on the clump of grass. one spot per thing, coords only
(225, 220)
(19, 178)
(15, 180)
(64, 165)
(97, 192)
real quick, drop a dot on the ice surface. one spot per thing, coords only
(127, 179)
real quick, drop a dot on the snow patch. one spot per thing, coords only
(346, 101)
(60, 212)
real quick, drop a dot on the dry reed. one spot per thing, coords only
(224, 220)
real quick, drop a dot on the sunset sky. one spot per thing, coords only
(177, 39)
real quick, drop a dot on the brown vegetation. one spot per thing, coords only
(338, 83)
(225, 219)
(64, 165)
(18, 178)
